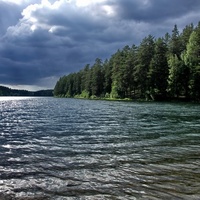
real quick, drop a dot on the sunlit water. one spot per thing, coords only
(79, 149)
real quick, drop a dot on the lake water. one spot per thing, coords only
(61, 149)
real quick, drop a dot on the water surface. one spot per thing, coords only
(79, 149)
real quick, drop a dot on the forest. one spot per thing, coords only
(5, 91)
(164, 68)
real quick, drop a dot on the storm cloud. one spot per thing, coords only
(43, 40)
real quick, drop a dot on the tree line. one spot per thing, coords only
(5, 91)
(161, 68)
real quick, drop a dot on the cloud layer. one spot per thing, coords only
(43, 40)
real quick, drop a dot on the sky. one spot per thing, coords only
(42, 40)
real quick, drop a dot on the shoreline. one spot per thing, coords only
(174, 100)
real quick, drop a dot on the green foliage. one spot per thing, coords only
(85, 94)
(114, 93)
(97, 78)
(107, 95)
(192, 60)
(144, 57)
(178, 77)
(175, 43)
(158, 72)
(185, 35)
(107, 70)
(163, 68)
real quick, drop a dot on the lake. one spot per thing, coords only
(57, 149)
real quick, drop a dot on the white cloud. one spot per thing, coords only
(36, 15)
(84, 3)
(14, 1)
(33, 27)
(108, 10)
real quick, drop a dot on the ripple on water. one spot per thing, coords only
(78, 149)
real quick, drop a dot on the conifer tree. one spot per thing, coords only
(158, 72)
(192, 59)
(144, 57)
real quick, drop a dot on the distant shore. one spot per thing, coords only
(5, 91)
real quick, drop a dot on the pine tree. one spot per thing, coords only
(97, 78)
(144, 57)
(192, 59)
(158, 72)
(175, 43)
(107, 70)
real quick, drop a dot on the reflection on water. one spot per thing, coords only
(78, 149)
(13, 98)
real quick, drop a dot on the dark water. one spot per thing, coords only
(78, 149)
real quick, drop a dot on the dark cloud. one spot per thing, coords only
(155, 11)
(9, 15)
(43, 40)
